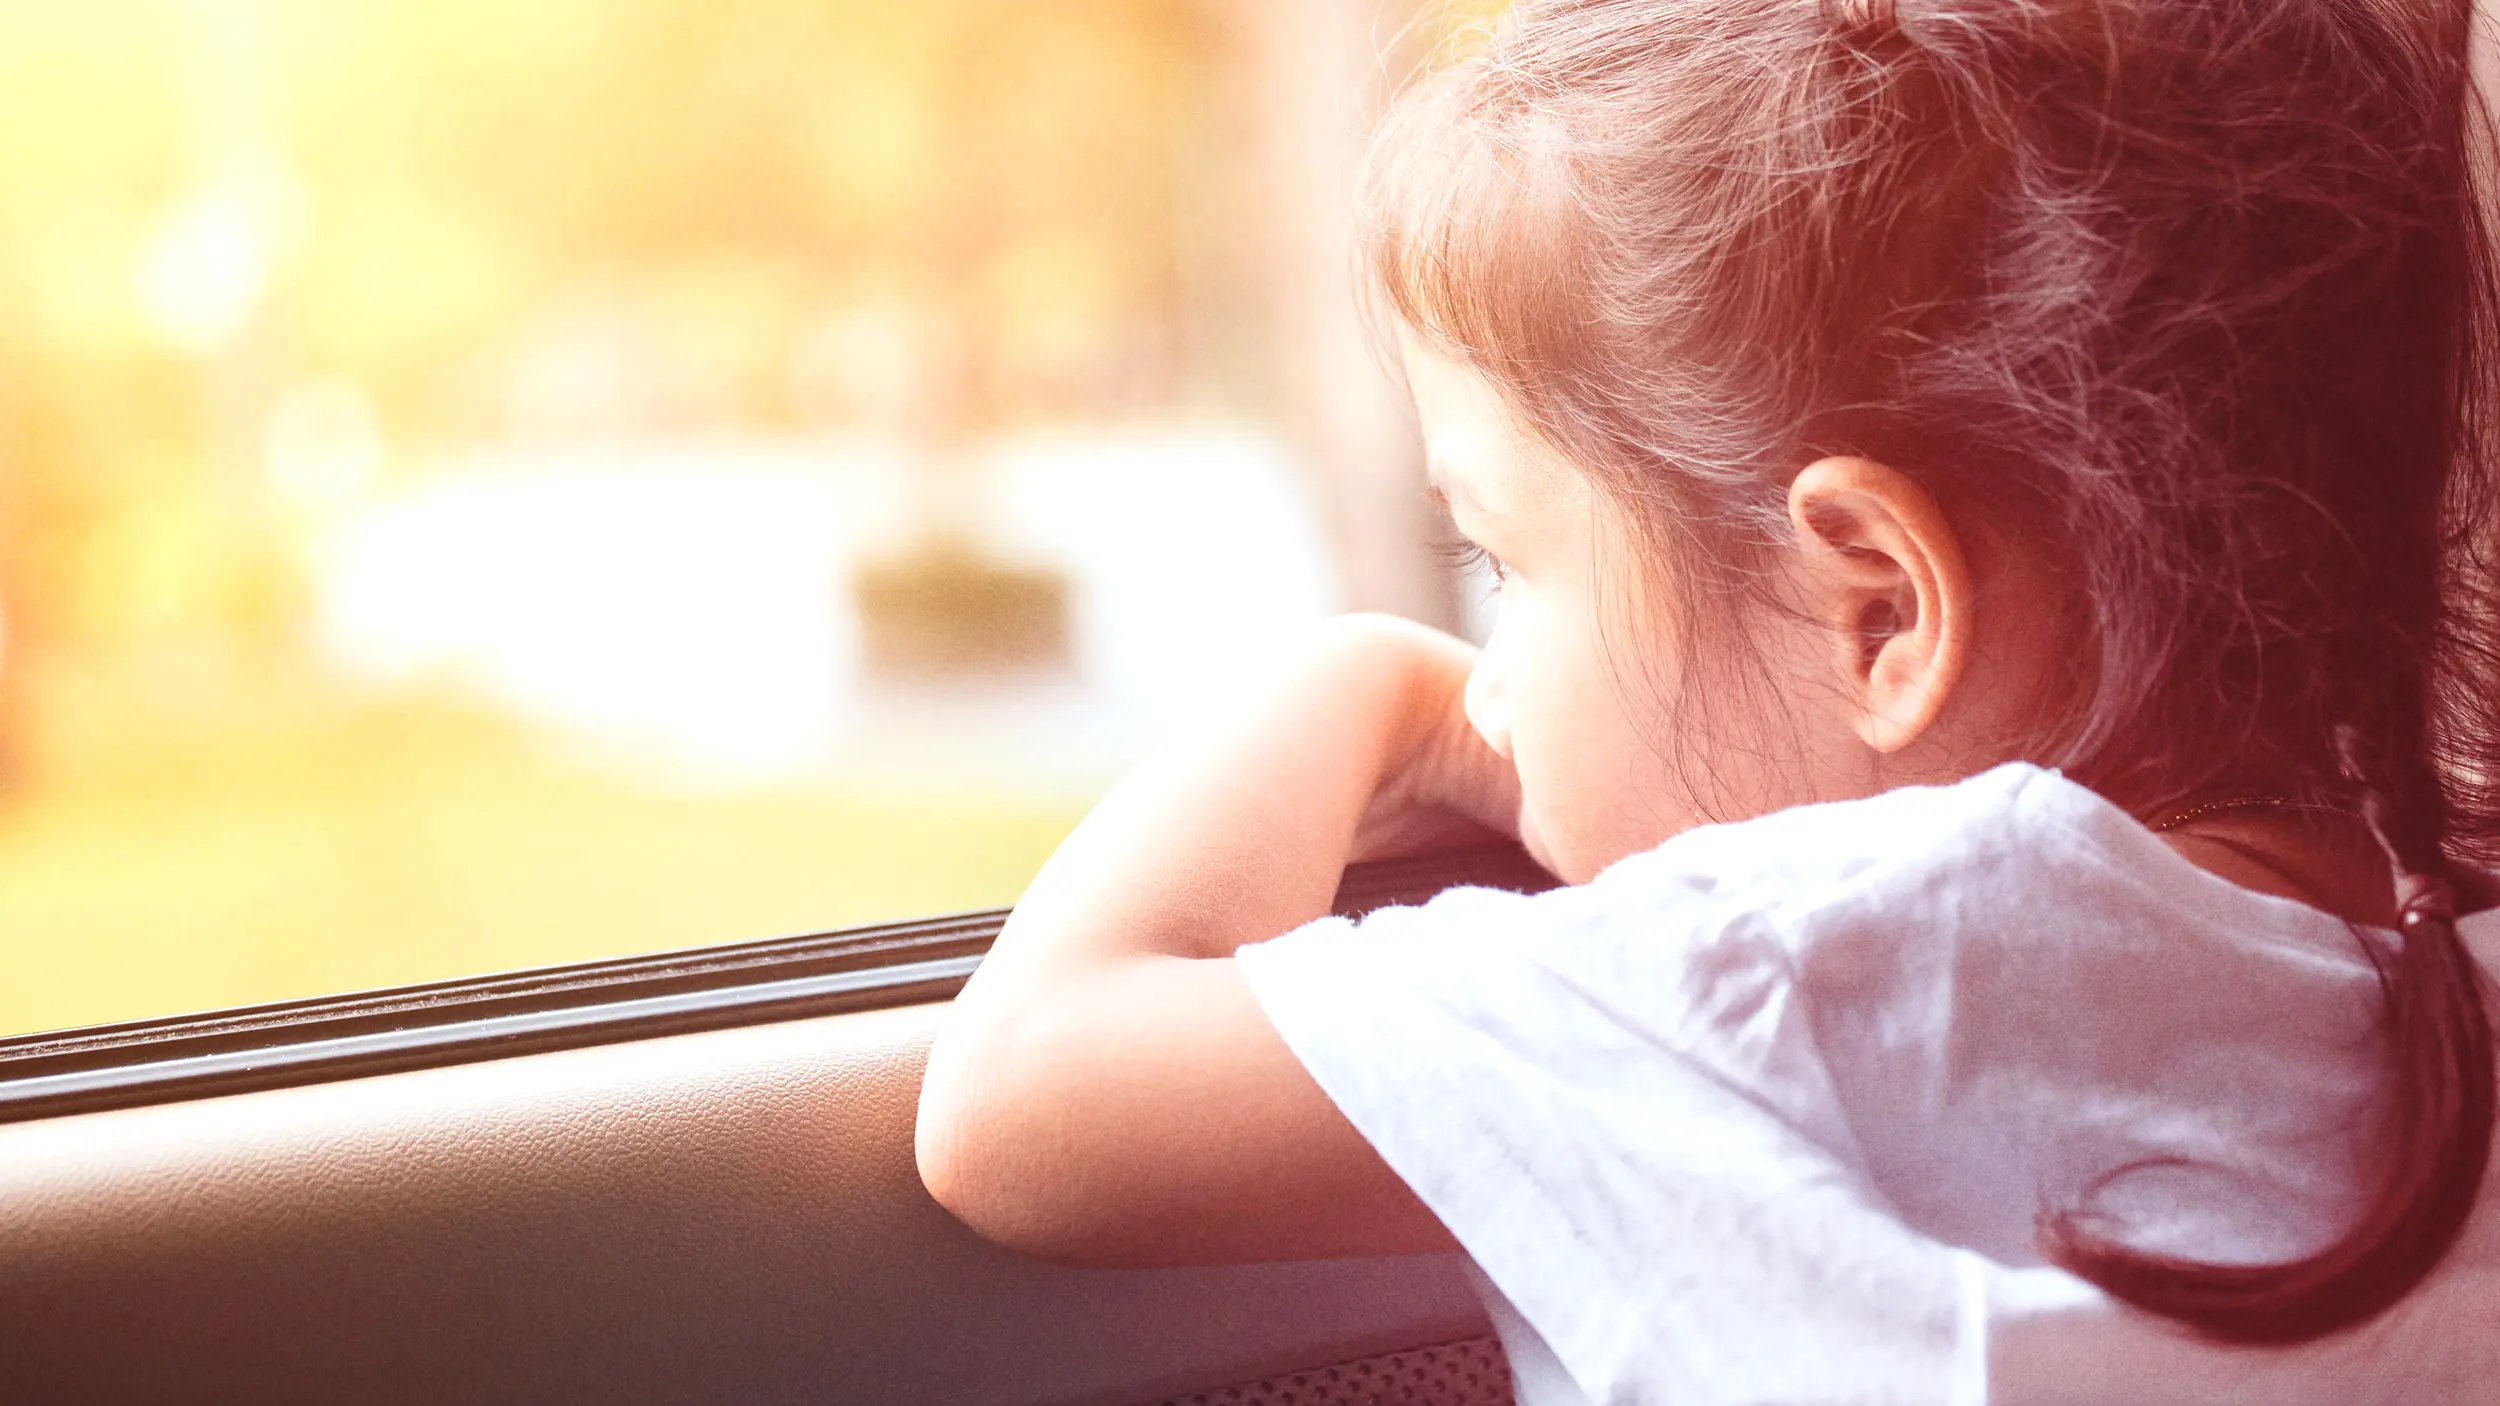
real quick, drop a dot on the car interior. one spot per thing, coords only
(690, 1179)
(564, 447)
(668, 1180)
(683, 1178)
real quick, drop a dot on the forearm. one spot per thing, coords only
(1232, 841)
(1067, 1107)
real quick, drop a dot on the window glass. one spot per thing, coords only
(487, 483)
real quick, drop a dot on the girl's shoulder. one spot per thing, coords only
(2017, 854)
(1968, 1004)
(2015, 875)
(1978, 823)
(1974, 916)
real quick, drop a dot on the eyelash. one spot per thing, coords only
(1467, 556)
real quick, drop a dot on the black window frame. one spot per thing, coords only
(291, 1043)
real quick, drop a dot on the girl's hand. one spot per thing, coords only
(1442, 786)
(1106, 1089)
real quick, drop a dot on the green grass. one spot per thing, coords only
(338, 852)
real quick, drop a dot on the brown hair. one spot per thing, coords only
(2193, 296)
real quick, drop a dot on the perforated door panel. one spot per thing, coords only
(1468, 1373)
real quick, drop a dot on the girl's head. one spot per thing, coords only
(1875, 391)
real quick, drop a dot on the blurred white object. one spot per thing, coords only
(683, 609)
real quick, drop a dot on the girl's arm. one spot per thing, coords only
(1106, 1089)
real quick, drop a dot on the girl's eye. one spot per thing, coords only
(1468, 557)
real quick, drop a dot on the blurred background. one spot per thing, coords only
(486, 483)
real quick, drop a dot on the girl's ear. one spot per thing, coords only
(1879, 564)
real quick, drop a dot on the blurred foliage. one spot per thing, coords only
(313, 852)
(206, 202)
(415, 219)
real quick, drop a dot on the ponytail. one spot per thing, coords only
(2437, 1136)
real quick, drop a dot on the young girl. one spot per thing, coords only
(1987, 498)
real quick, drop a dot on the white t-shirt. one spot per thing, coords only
(1712, 1125)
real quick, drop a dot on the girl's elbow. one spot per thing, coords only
(958, 1172)
(1000, 1192)
(936, 1151)
(984, 1170)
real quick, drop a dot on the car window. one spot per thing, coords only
(490, 483)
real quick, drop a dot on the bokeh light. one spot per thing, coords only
(495, 482)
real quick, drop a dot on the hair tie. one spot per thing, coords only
(2422, 898)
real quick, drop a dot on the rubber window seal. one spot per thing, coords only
(567, 1007)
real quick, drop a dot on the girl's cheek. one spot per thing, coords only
(1487, 700)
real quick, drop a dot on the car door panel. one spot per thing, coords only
(731, 1215)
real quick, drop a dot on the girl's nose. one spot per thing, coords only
(1488, 708)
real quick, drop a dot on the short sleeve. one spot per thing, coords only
(1739, 1119)
(1611, 1102)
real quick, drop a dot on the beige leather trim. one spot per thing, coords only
(730, 1216)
